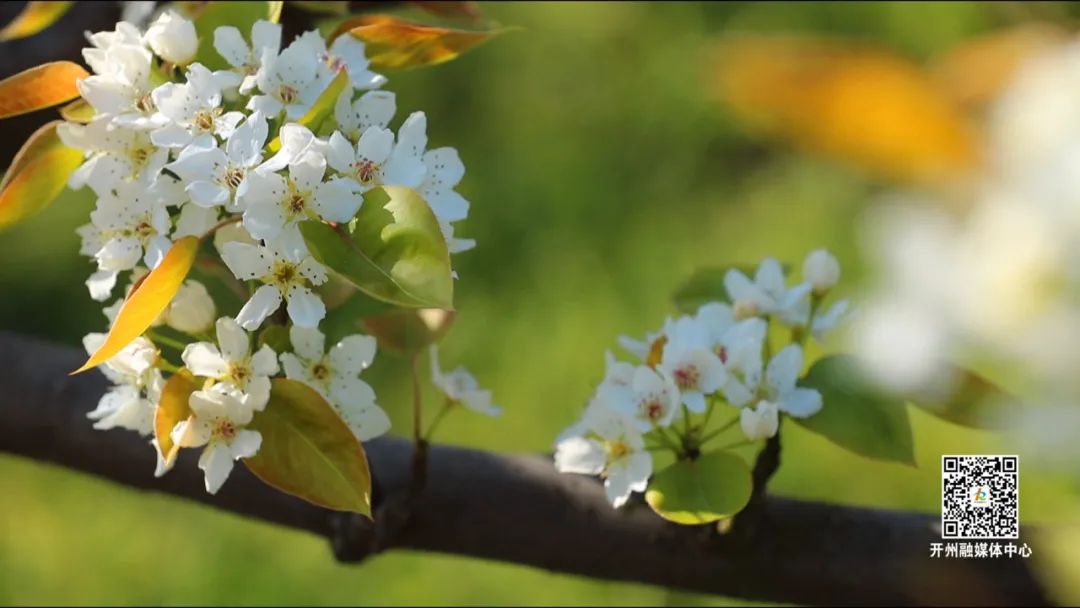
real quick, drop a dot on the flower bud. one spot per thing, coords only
(761, 422)
(192, 311)
(173, 38)
(821, 270)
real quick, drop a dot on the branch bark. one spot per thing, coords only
(516, 508)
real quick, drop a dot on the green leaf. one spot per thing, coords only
(857, 414)
(968, 403)
(393, 250)
(211, 15)
(322, 107)
(308, 451)
(713, 487)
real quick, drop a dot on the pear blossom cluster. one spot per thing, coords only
(699, 367)
(176, 149)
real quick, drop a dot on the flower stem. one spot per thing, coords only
(727, 425)
(167, 341)
(225, 222)
(167, 365)
(737, 444)
(419, 458)
(438, 419)
(667, 441)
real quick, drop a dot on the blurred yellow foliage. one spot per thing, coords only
(864, 105)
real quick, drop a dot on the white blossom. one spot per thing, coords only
(461, 387)
(286, 271)
(821, 271)
(288, 82)
(377, 160)
(688, 358)
(766, 294)
(191, 310)
(115, 155)
(231, 361)
(652, 399)
(606, 444)
(273, 203)
(173, 38)
(334, 374)
(218, 177)
(247, 59)
(760, 422)
(137, 385)
(192, 111)
(780, 377)
(217, 422)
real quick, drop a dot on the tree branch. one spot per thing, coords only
(518, 509)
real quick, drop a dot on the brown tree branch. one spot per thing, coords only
(516, 508)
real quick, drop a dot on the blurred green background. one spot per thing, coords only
(602, 171)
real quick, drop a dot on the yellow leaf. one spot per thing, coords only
(309, 451)
(975, 71)
(147, 300)
(173, 408)
(40, 87)
(393, 43)
(863, 105)
(37, 175)
(78, 111)
(34, 17)
(273, 10)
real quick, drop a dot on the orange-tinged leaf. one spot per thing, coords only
(863, 105)
(309, 451)
(974, 72)
(34, 17)
(393, 43)
(78, 111)
(40, 87)
(37, 175)
(147, 300)
(173, 408)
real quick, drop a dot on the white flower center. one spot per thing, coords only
(223, 429)
(239, 373)
(233, 178)
(687, 377)
(287, 94)
(204, 119)
(284, 274)
(366, 171)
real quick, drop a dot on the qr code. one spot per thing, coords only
(979, 497)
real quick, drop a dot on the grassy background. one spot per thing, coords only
(601, 173)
